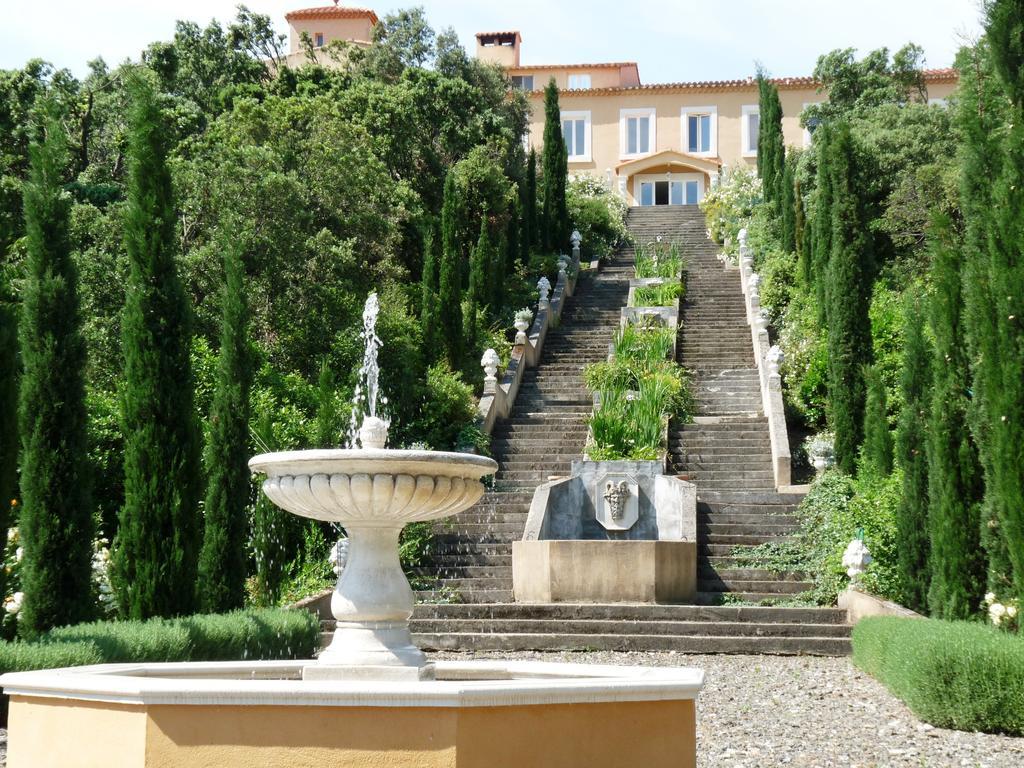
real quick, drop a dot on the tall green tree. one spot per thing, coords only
(222, 561)
(9, 370)
(876, 456)
(428, 292)
(56, 519)
(850, 275)
(955, 485)
(157, 547)
(801, 235)
(270, 530)
(787, 203)
(912, 457)
(480, 270)
(554, 161)
(821, 225)
(1001, 273)
(449, 293)
(771, 146)
(530, 224)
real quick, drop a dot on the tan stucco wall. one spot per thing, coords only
(60, 733)
(605, 121)
(600, 77)
(89, 735)
(604, 571)
(332, 29)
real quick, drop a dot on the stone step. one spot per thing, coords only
(739, 518)
(708, 571)
(481, 572)
(766, 587)
(468, 595)
(489, 641)
(750, 539)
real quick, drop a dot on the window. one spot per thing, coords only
(576, 132)
(319, 39)
(637, 132)
(750, 126)
(579, 82)
(700, 130)
(522, 82)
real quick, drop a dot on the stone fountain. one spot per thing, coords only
(371, 697)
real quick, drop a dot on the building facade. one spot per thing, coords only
(664, 143)
(656, 144)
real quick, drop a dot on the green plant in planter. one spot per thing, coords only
(643, 345)
(658, 260)
(657, 295)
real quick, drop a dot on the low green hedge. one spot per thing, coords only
(951, 674)
(271, 633)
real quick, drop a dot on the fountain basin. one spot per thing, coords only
(473, 715)
(373, 493)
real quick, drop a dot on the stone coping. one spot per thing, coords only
(373, 461)
(461, 684)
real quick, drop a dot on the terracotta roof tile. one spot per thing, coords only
(332, 12)
(602, 65)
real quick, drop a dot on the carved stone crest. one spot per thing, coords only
(615, 496)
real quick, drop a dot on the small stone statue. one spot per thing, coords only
(576, 238)
(775, 358)
(544, 287)
(615, 496)
(855, 559)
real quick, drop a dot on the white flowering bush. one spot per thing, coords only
(1004, 614)
(597, 213)
(731, 202)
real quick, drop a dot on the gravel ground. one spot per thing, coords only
(806, 712)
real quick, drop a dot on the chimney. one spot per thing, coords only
(500, 48)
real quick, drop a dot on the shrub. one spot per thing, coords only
(951, 674)
(25, 657)
(270, 633)
(731, 202)
(597, 214)
(448, 409)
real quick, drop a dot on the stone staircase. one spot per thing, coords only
(725, 452)
(472, 554)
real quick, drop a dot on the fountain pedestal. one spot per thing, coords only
(372, 604)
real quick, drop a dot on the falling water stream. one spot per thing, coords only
(364, 401)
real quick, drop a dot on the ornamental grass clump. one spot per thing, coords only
(662, 295)
(658, 260)
(952, 674)
(639, 389)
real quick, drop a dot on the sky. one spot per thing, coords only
(677, 40)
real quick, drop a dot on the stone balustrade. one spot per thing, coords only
(500, 392)
(768, 360)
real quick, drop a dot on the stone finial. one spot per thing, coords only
(522, 324)
(575, 238)
(761, 321)
(490, 362)
(774, 358)
(742, 237)
(544, 287)
(754, 281)
(563, 263)
(856, 559)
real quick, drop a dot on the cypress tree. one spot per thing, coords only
(1005, 30)
(269, 528)
(982, 119)
(480, 267)
(848, 296)
(449, 292)
(9, 366)
(428, 293)
(771, 146)
(954, 474)
(530, 225)
(788, 204)
(821, 240)
(876, 456)
(157, 547)
(554, 163)
(912, 456)
(222, 561)
(801, 235)
(56, 519)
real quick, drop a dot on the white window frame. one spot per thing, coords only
(747, 110)
(652, 134)
(684, 117)
(584, 115)
(578, 84)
